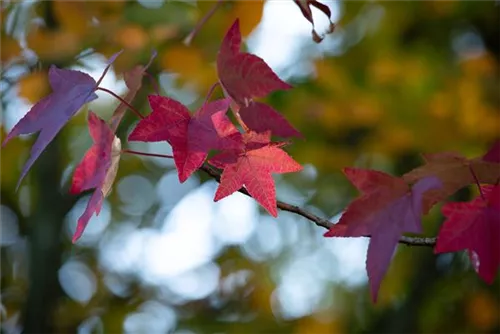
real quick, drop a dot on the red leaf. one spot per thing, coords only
(260, 117)
(244, 76)
(71, 90)
(251, 167)
(474, 226)
(191, 137)
(97, 170)
(493, 154)
(387, 208)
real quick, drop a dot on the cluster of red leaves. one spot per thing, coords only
(388, 207)
(246, 159)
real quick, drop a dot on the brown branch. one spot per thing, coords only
(321, 222)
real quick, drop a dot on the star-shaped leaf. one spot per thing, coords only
(474, 226)
(71, 90)
(244, 76)
(386, 209)
(97, 170)
(251, 166)
(191, 137)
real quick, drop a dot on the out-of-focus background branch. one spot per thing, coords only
(394, 80)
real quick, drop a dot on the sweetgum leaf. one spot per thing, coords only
(386, 209)
(474, 226)
(251, 166)
(244, 76)
(260, 117)
(191, 137)
(97, 170)
(71, 90)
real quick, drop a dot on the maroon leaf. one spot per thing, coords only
(386, 209)
(244, 76)
(260, 117)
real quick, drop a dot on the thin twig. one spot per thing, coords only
(119, 98)
(321, 222)
(148, 154)
(189, 38)
(477, 183)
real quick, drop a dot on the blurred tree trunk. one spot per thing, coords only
(45, 247)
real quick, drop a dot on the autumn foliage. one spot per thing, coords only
(250, 148)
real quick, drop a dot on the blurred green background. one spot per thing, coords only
(394, 80)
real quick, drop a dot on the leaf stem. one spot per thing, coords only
(153, 82)
(240, 121)
(122, 101)
(148, 154)
(189, 38)
(210, 92)
(477, 182)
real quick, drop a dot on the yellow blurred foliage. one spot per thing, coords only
(482, 65)
(10, 48)
(331, 76)
(322, 156)
(365, 111)
(34, 86)
(73, 16)
(309, 325)
(440, 105)
(53, 45)
(251, 11)
(392, 139)
(483, 311)
(384, 70)
(471, 114)
(261, 298)
(440, 8)
(131, 37)
(190, 64)
(161, 33)
(12, 160)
